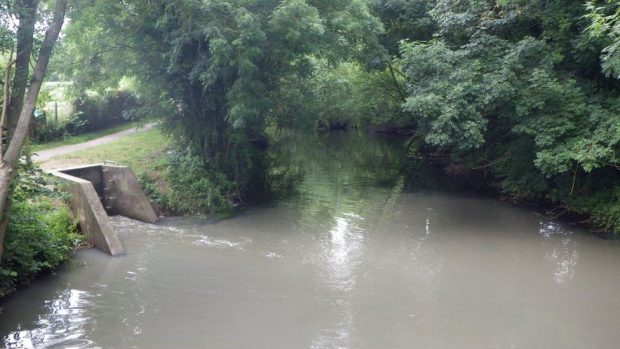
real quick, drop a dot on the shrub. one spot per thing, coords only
(47, 131)
(93, 113)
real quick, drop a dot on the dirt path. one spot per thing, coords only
(45, 155)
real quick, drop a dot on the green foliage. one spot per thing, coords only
(92, 112)
(302, 26)
(524, 91)
(44, 130)
(30, 182)
(605, 24)
(454, 94)
(602, 207)
(341, 96)
(497, 90)
(39, 238)
(404, 19)
(95, 112)
(41, 233)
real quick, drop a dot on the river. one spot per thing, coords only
(350, 254)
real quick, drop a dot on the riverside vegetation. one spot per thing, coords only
(519, 95)
(516, 97)
(41, 232)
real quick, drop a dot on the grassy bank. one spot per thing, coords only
(174, 179)
(70, 140)
(140, 151)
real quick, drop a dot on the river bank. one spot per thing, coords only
(145, 154)
(345, 245)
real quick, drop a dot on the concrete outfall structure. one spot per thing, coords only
(102, 189)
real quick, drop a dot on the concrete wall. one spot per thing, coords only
(94, 221)
(124, 195)
(93, 174)
(99, 190)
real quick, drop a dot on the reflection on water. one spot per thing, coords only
(343, 252)
(64, 323)
(343, 255)
(344, 258)
(563, 255)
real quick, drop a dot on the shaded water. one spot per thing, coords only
(346, 259)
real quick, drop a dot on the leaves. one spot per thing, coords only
(511, 80)
(605, 23)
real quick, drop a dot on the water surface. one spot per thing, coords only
(346, 259)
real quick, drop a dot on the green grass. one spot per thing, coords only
(82, 138)
(140, 151)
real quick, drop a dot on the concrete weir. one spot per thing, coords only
(102, 189)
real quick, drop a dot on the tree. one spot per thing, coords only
(9, 160)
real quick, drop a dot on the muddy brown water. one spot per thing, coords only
(347, 260)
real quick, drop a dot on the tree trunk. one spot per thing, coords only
(11, 157)
(5, 181)
(5, 100)
(27, 15)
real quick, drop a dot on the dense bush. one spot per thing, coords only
(41, 233)
(44, 130)
(494, 94)
(93, 113)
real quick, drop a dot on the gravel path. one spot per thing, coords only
(45, 155)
